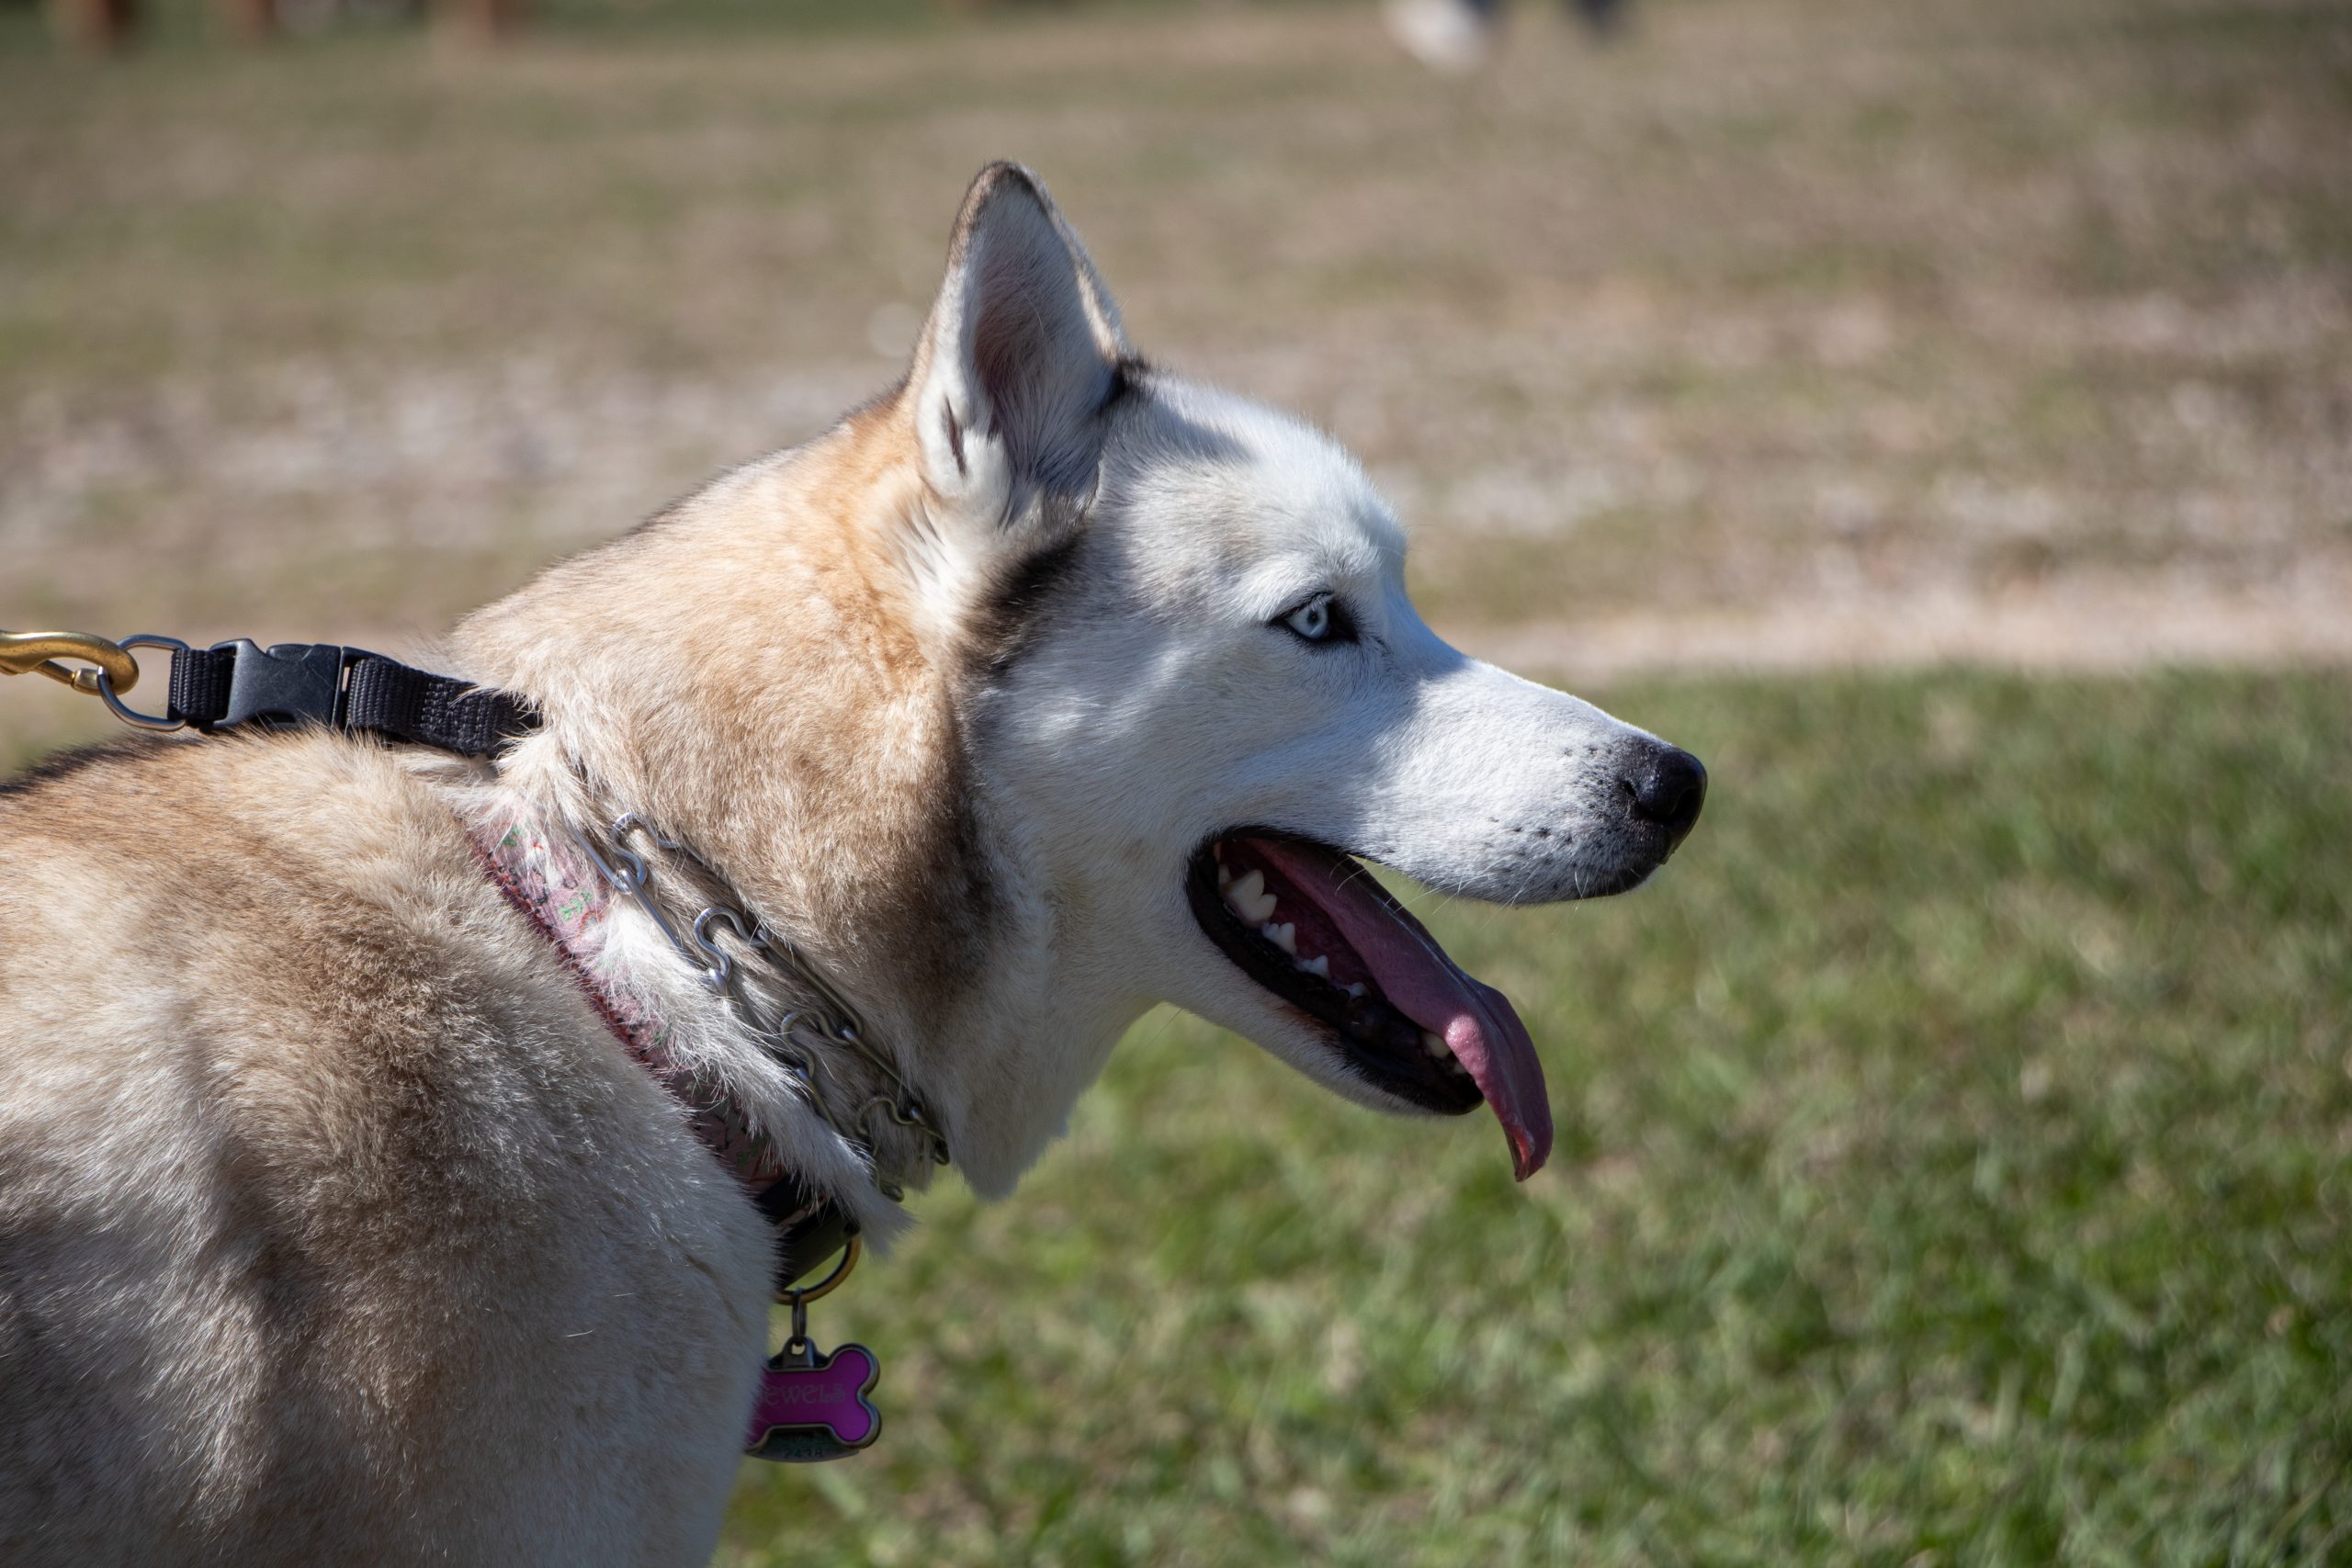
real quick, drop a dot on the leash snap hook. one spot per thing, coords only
(110, 668)
(37, 653)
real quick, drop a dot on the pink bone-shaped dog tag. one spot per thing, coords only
(815, 1408)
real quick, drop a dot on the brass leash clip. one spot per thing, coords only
(37, 653)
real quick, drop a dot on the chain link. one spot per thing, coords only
(826, 1013)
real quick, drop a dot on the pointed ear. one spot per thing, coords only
(1021, 350)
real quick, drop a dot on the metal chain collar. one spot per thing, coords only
(821, 1010)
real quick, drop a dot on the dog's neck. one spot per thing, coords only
(621, 908)
(770, 695)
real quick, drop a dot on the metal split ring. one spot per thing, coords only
(850, 1253)
(799, 1299)
(109, 692)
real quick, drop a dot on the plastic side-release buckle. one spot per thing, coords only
(292, 682)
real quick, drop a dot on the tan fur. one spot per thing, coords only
(845, 824)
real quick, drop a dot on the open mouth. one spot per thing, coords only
(1311, 925)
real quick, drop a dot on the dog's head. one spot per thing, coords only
(1049, 686)
(1193, 689)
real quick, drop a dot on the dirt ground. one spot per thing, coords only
(1783, 333)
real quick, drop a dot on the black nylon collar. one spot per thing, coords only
(348, 690)
(803, 1245)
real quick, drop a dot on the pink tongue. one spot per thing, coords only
(1476, 1020)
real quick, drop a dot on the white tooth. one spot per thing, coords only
(1224, 877)
(1435, 1045)
(1353, 987)
(1320, 966)
(1285, 936)
(1250, 898)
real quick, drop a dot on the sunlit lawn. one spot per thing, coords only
(1952, 1161)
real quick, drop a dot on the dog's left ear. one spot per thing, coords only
(1023, 349)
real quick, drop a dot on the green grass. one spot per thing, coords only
(1951, 1171)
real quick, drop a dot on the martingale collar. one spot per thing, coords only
(571, 887)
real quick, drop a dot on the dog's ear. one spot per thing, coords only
(1022, 351)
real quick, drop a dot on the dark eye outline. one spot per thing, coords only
(1338, 625)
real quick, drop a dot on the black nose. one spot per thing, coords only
(1667, 788)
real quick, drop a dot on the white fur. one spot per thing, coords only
(1167, 707)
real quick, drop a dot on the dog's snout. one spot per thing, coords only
(1667, 786)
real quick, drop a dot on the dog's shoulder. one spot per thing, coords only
(150, 798)
(297, 1114)
(298, 914)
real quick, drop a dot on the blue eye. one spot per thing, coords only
(1320, 619)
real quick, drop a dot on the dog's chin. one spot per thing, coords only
(1601, 885)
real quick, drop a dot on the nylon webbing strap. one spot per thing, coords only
(200, 684)
(348, 689)
(430, 710)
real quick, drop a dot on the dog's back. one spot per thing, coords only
(320, 1186)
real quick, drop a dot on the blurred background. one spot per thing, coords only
(1938, 417)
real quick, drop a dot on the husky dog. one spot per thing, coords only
(336, 1223)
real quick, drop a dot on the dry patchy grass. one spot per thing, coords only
(1782, 310)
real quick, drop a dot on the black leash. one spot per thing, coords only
(231, 684)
